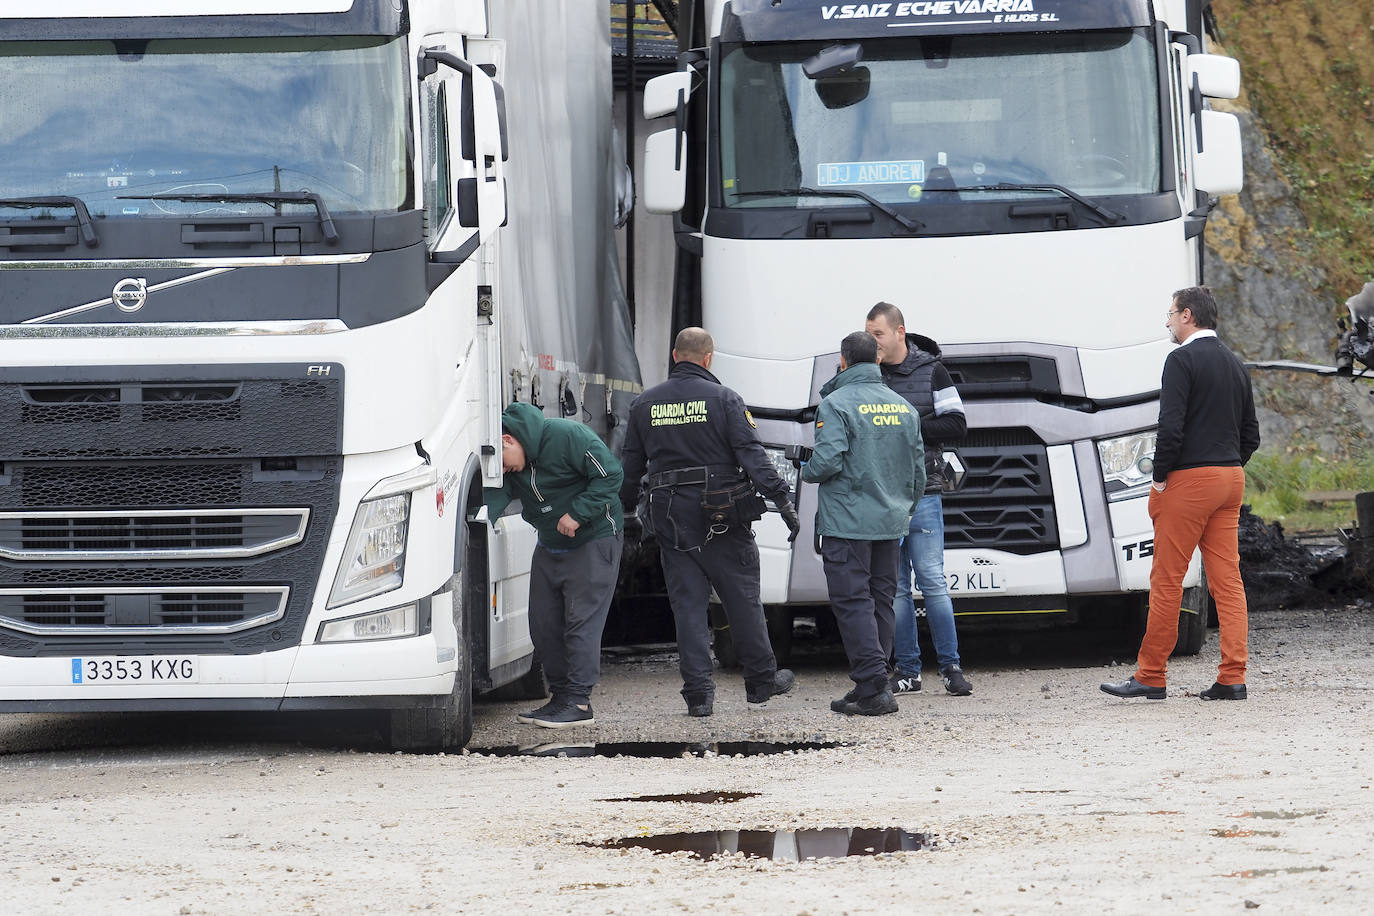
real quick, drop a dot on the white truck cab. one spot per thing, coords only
(1028, 180)
(258, 319)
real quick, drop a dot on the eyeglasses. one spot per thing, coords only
(1171, 313)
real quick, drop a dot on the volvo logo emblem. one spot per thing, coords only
(130, 294)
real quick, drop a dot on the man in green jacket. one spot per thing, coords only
(869, 462)
(568, 484)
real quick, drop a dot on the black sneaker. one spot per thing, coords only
(955, 682)
(850, 697)
(904, 683)
(880, 704)
(783, 679)
(526, 718)
(563, 716)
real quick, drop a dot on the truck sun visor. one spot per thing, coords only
(764, 20)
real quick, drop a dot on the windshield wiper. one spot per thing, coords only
(906, 223)
(267, 197)
(1109, 215)
(83, 216)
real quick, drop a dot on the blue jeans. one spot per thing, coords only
(923, 551)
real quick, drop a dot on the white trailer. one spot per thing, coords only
(260, 310)
(1028, 180)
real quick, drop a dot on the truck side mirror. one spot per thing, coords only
(1217, 165)
(1218, 77)
(483, 145)
(481, 200)
(665, 171)
(665, 152)
(661, 93)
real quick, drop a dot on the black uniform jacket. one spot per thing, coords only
(690, 421)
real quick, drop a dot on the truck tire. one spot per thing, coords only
(779, 620)
(448, 725)
(722, 643)
(1192, 619)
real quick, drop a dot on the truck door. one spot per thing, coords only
(463, 172)
(486, 150)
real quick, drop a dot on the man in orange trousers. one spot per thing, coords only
(1207, 431)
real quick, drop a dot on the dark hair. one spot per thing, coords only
(889, 312)
(859, 347)
(1199, 301)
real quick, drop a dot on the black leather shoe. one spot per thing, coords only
(1131, 688)
(700, 705)
(783, 679)
(1224, 692)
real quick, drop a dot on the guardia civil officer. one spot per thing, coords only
(870, 464)
(692, 445)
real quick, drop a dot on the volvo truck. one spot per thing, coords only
(269, 271)
(1029, 181)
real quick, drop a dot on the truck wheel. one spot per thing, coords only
(447, 726)
(721, 640)
(1192, 619)
(779, 620)
(528, 686)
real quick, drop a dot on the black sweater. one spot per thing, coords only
(1206, 410)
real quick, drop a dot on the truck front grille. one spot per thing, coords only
(151, 535)
(143, 512)
(1006, 501)
(135, 612)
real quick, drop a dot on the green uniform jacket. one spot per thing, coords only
(568, 470)
(868, 458)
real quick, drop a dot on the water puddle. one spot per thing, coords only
(781, 845)
(1282, 815)
(1263, 872)
(695, 798)
(1241, 832)
(666, 750)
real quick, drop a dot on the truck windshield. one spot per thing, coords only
(101, 120)
(1079, 110)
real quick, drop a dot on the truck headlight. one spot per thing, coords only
(786, 470)
(1128, 465)
(393, 623)
(375, 557)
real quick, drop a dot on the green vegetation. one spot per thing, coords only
(1298, 490)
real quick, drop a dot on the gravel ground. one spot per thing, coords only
(1038, 794)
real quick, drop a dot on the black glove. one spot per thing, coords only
(634, 531)
(789, 515)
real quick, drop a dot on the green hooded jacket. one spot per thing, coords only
(568, 470)
(868, 458)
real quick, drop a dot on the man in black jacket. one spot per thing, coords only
(1207, 431)
(912, 368)
(696, 441)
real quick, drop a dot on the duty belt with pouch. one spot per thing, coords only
(728, 498)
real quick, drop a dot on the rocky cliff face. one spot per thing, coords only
(1277, 305)
(1279, 287)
